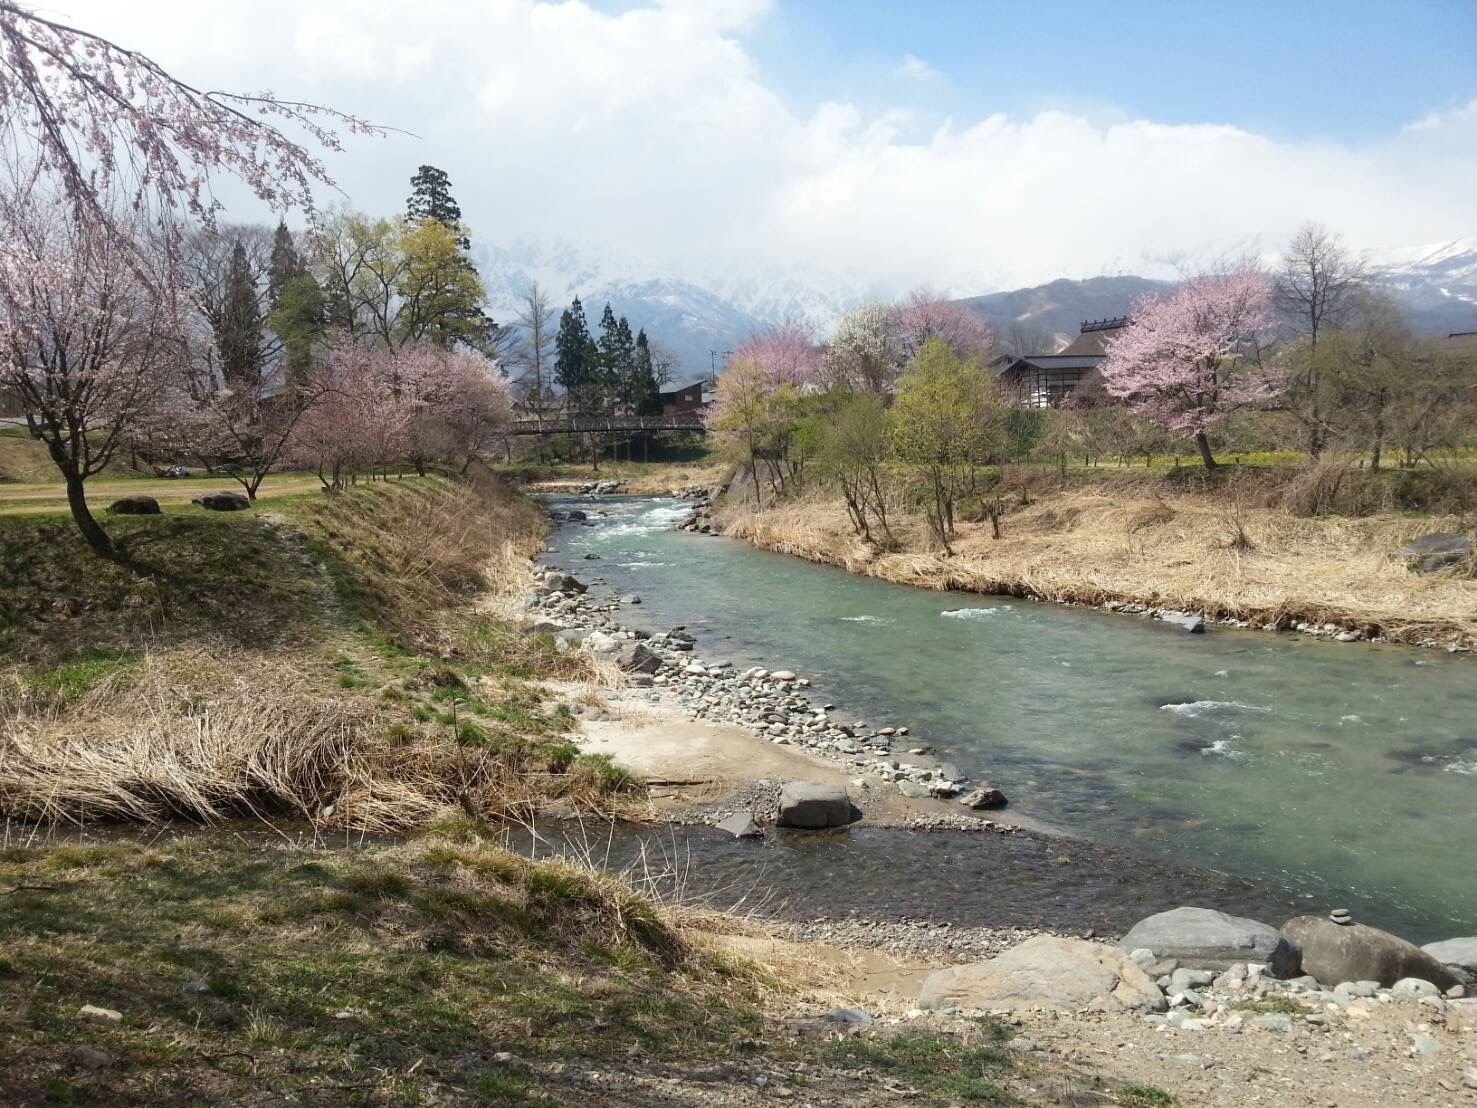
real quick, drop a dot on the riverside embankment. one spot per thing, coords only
(1099, 546)
(1315, 770)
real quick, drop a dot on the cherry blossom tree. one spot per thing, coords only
(104, 123)
(787, 352)
(862, 353)
(1196, 355)
(923, 316)
(356, 420)
(85, 344)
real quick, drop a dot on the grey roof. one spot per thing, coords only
(1058, 361)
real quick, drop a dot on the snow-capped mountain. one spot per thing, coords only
(694, 313)
(1436, 283)
(688, 320)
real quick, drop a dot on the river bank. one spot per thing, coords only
(1246, 567)
(1279, 1044)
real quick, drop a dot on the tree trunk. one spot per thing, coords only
(91, 530)
(1205, 455)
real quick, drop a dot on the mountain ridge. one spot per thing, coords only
(697, 318)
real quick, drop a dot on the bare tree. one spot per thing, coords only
(1022, 339)
(535, 353)
(1315, 291)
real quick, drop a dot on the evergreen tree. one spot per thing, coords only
(286, 264)
(616, 354)
(647, 392)
(574, 358)
(430, 198)
(298, 319)
(239, 338)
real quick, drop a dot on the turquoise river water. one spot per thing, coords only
(1314, 774)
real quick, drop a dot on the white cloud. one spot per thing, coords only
(654, 130)
(915, 68)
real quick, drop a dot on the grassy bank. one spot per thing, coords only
(343, 660)
(1228, 550)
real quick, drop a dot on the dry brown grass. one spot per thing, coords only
(411, 697)
(209, 736)
(1193, 553)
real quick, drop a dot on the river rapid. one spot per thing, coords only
(1312, 774)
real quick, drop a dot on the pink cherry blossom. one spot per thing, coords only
(1194, 356)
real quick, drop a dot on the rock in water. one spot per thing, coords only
(636, 658)
(222, 501)
(984, 798)
(1356, 952)
(1455, 952)
(1188, 620)
(812, 806)
(1202, 938)
(1433, 552)
(741, 825)
(134, 506)
(576, 516)
(1066, 975)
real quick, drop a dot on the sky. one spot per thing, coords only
(959, 146)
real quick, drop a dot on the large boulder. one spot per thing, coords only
(811, 806)
(1334, 953)
(1432, 552)
(554, 581)
(222, 501)
(1202, 938)
(636, 658)
(1065, 975)
(1455, 952)
(139, 505)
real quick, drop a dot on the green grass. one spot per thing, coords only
(441, 952)
(1144, 1096)
(951, 1068)
(1271, 1006)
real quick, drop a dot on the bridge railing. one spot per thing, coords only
(579, 424)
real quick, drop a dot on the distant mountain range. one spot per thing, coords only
(693, 316)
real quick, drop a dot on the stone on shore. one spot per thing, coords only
(1455, 952)
(139, 505)
(812, 806)
(1436, 551)
(1187, 620)
(741, 825)
(984, 798)
(637, 658)
(1204, 939)
(1333, 953)
(222, 501)
(1064, 975)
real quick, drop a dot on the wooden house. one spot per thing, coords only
(1048, 380)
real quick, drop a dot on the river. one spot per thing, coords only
(1318, 774)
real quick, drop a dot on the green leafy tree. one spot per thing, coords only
(298, 319)
(853, 451)
(440, 295)
(948, 420)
